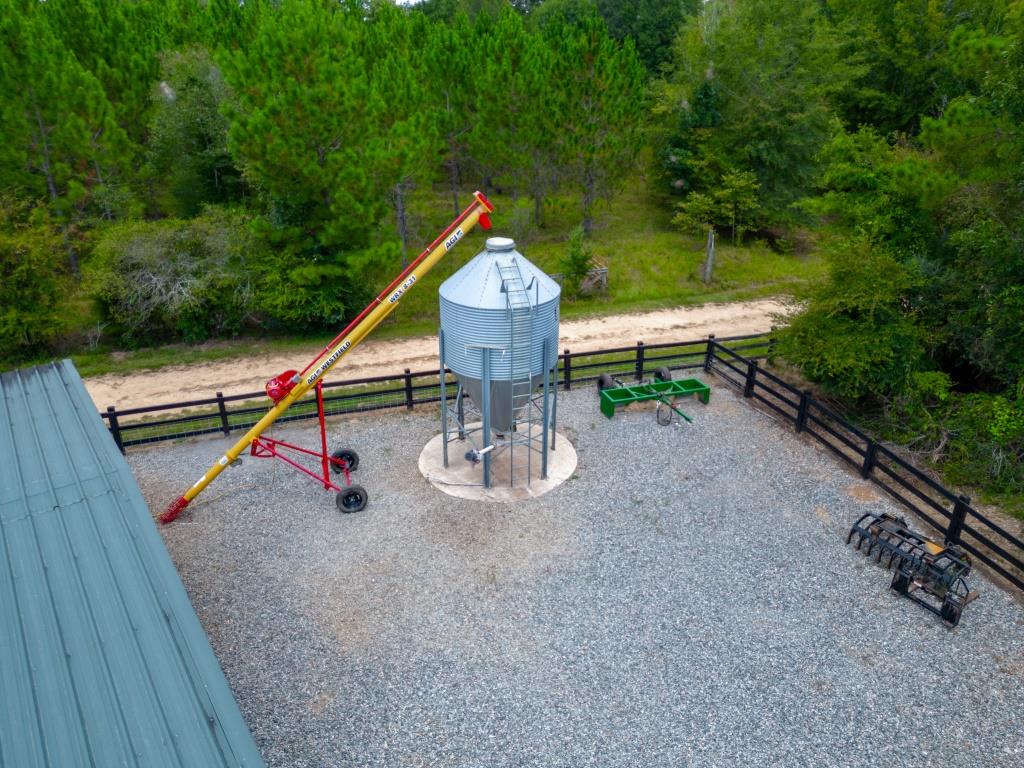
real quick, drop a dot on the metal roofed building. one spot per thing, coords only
(103, 661)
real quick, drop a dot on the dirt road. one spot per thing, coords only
(377, 358)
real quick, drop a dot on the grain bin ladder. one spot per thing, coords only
(291, 386)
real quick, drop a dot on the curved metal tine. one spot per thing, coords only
(872, 543)
(891, 535)
(896, 553)
(883, 537)
(887, 545)
(882, 549)
(901, 553)
(858, 528)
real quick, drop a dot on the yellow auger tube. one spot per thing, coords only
(385, 304)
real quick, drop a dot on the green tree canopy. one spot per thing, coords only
(600, 108)
(62, 142)
(751, 91)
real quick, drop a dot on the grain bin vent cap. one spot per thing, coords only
(478, 283)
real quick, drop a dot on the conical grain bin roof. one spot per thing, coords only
(475, 312)
(483, 307)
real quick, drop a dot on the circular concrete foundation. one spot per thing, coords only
(464, 479)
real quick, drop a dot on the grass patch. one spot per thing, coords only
(651, 266)
(1010, 503)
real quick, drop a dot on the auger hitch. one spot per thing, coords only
(922, 567)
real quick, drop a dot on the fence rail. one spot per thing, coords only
(949, 514)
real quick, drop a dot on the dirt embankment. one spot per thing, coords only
(378, 358)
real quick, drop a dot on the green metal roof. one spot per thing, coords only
(103, 661)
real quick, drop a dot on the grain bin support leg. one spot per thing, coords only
(486, 384)
(460, 411)
(444, 400)
(544, 441)
(554, 406)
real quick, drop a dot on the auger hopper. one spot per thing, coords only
(922, 567)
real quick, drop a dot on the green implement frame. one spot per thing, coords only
(664, 391)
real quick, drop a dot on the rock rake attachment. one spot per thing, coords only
(614, 394)
(921, 565)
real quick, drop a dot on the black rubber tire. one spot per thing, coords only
(663, 374)
(605, 381)
(352, 499)
(350, 457)
(663, 415)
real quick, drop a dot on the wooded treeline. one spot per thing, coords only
(193, 168)
(200, 165)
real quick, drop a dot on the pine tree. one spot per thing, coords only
(318, 127)
(451, 62)
(62, 143)
(752, 91)
(599, 109)
(513, 139)
(395, 48)
(188, 135)
(119, 44)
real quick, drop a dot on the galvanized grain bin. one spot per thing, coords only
(477, 312)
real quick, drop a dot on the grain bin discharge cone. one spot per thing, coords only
(499, 336)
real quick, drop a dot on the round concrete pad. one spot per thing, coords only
(463, 479)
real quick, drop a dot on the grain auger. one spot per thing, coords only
(288, 387)
(921, 565)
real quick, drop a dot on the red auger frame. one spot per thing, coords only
(289, 386)
(344, 461)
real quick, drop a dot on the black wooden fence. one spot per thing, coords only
(232, 413)
(949, 514)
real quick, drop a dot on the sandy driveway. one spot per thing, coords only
(377, 358)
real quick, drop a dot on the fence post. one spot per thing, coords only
(748, 386)
(801, 413)
(567, 369)
(223, 414)
(639, 361)
(408, 389)
(115, 428)
(869, 459)
(709, 356)
(956, 520)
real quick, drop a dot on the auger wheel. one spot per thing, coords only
(352, 499)
(347, 455)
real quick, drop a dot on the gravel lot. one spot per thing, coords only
(686, 599)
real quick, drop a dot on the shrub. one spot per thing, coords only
(856, 337)
(33, 282)
(576, 263)
(175, 280)
(986, 442)
(731, 205)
